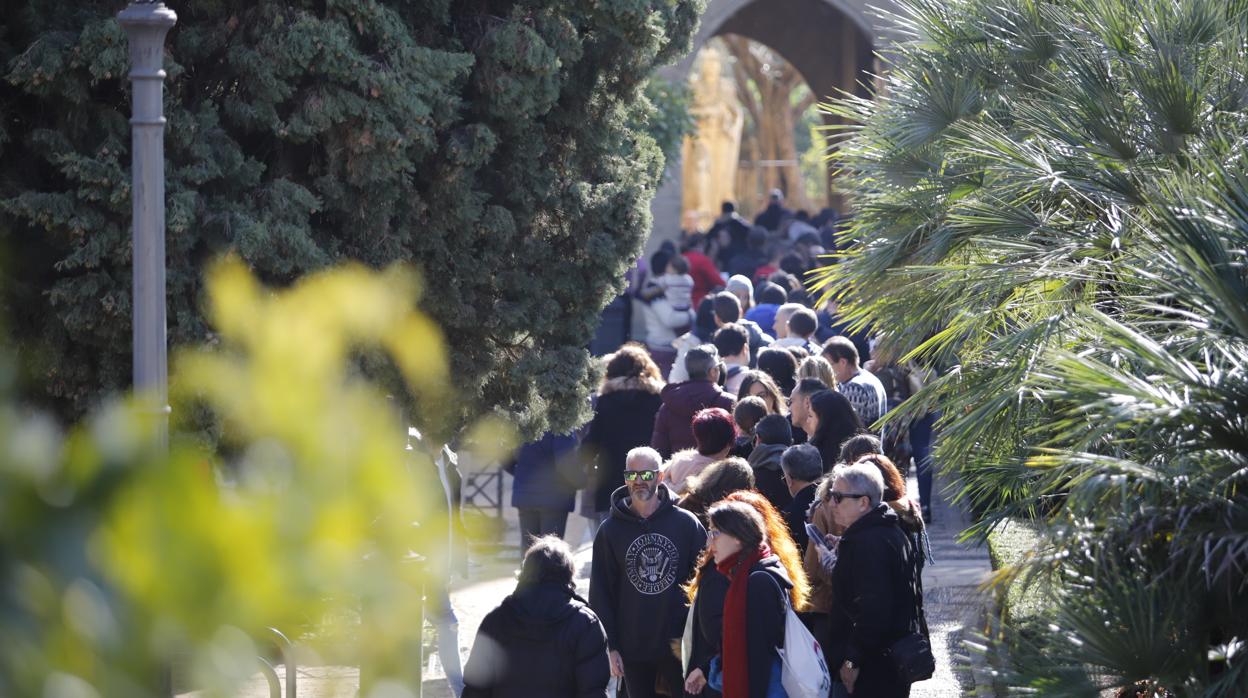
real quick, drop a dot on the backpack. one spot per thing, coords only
(804, 671)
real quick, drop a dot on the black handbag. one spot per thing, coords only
(911, 656)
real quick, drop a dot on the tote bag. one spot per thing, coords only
(805, 673)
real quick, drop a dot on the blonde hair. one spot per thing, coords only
(818, 368)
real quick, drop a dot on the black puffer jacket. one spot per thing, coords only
(873, 600)
(541, 641)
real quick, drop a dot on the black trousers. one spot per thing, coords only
(643, 677)
(535, 523)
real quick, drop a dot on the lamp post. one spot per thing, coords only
(146, 23)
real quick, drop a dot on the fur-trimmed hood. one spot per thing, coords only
(616, 385)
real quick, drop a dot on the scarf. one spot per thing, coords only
(736, 660)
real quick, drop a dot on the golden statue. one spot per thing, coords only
(710, 154)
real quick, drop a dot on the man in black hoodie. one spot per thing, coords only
(771, 436)
(643, 554)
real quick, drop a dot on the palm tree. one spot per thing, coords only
(1051, 200)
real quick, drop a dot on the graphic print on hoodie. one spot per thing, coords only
(639, 566)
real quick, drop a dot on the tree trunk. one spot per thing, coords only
(766, 82)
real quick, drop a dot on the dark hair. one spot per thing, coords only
(803, 462)
(793, 264)
(810, 386)
(894, 483)
(741, 521)
(731, 339)
(841, 347)
(658, 262)
(716, 481)
(704, 321)
(693, 241)
(802, 215)
(837, 422)
(799, 354)
(547, 561)
(727, 207)
(713, 430)
(679, 264)
(769, 385)
(774, 430)
(780, 365)
(748, 412)
(632, 360)
(803, 323)
(772, 293)
(858, 446)
(700, 360)
(784, 280)
(757, 238)
(727, 306)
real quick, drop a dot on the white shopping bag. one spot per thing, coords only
(805, 673)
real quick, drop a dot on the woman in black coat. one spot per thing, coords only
(623, 420)
(543, 640)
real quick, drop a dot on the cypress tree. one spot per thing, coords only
(501, 147)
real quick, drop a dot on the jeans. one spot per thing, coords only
(535, 523)
(921, 444)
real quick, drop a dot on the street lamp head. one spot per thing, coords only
(147, 13)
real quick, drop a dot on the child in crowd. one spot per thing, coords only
(671, 295)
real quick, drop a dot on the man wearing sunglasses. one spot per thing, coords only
(874, 598)
(643, 554)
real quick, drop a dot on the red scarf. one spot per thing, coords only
(735, 657)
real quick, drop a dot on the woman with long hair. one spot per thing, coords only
(760, 384)
(628, 400)
(782, 544)
(830, 422)
(756, 601)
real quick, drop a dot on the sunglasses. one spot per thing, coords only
(712, 534)
(839, 497)
(643, 475)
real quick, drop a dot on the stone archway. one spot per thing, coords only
(832, 44)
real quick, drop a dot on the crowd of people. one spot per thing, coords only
(736, 469)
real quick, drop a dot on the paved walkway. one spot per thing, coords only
(952, 600)
(953, 603)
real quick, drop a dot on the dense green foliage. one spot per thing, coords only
(118, 557)
(1052, 199)
(500, 146)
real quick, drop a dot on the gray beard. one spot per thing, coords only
(644, 495)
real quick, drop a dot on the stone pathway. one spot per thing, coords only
(953, 602)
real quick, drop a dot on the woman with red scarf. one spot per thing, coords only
(756, 605)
